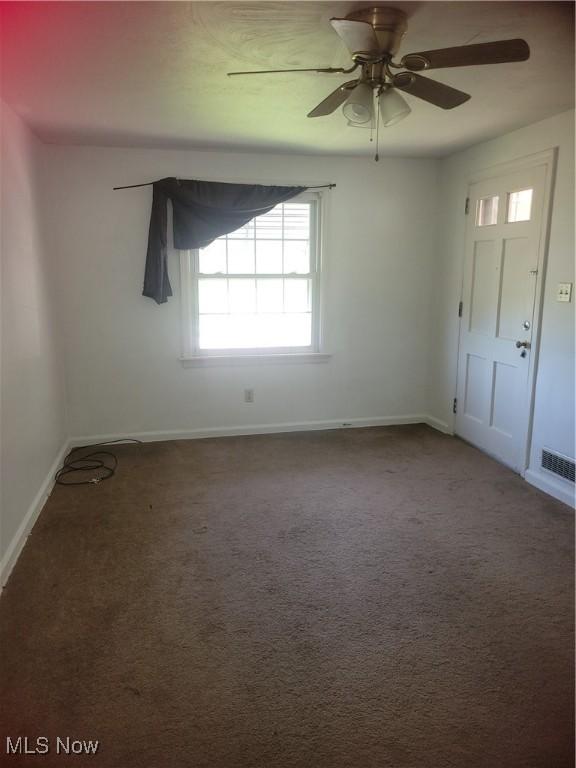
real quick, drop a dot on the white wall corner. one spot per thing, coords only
(15, 547)
(438, 424)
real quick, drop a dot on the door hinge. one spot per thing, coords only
(455, 405)
(467, 206)
(460, 306)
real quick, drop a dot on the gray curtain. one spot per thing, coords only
(202, 211)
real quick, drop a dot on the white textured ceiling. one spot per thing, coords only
(154, 73)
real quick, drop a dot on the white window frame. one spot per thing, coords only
(193, 356)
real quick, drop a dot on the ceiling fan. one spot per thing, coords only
(373, 36)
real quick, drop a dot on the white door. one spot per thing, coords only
(504, 229)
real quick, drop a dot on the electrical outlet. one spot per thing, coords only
(248, 395)
(564, 292)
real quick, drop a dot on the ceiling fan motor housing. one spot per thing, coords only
(389, 24)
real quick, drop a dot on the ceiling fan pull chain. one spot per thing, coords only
(377, 156)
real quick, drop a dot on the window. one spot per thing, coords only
(487, 211)
(519, 206)
(256, 290)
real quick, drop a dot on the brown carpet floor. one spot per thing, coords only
(369, 598)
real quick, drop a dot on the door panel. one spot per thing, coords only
(476, 387)
(500, 271)
(515, 290)
(483, 287)
(502, 417)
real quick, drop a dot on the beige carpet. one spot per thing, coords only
(372, 598)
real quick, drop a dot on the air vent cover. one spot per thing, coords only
(559, 465)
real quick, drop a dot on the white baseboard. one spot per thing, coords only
(561, 490)
(15, 547)
(263, 429)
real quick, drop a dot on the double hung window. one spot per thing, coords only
(256, 290)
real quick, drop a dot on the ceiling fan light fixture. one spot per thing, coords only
(393, 107)
(359, 106)
(370, 125)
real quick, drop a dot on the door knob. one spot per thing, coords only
(525, 344)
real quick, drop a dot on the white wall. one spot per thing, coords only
(123, 372)
(31, 383)
(554, 400)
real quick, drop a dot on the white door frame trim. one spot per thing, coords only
(548, 159)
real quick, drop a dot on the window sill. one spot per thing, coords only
(287, 358)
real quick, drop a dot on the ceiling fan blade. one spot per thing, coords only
(432, 91)
(280, 71)
(499, 52)
(334, 100)
(357, 36)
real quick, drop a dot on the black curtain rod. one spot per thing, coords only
(150, 183)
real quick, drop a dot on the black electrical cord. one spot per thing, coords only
(101, 465)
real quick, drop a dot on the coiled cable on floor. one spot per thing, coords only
(83, 465)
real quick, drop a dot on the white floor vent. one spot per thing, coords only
(559, 465)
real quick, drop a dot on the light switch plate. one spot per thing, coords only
(564, 292)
